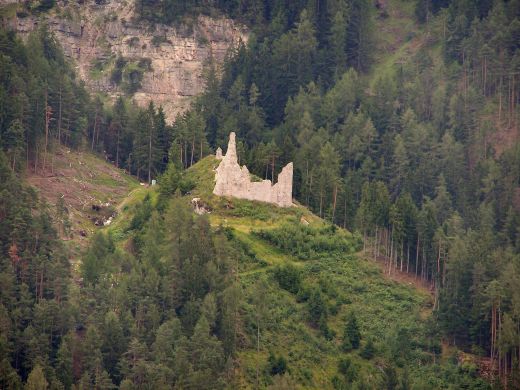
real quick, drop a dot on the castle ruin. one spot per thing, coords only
(233, 180)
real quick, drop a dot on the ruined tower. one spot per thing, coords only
(233, 180)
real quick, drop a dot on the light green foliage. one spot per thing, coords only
(36, 379)
(306, 242)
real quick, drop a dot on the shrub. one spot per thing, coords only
(186, 185)
(158, 40)
(134, 77)
(142, 213)
(117, 73)
(306, 242)
(351, 334)
(145, 64)
(348, 369)
(277, 365)
(368, 350)
(317, 306)
(288, 277)
(132, 42)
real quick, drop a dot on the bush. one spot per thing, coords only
(327, 332)
(277, 365)
(158, 40)
(132, 42)
(288, 277)
(306, 242)
(368, 350)
(351, 335)
(186, 185)
(317, 306)
(142, 214)
(134, 77)
(117, 73)
(348, 369)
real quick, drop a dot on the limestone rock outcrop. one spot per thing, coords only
(94, 35)
(233, 180)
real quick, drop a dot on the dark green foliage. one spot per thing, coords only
(351, 333)
(348, 370)
(390, 381)
(317, 307)
(368, 350)
(277, 364)
(142, 213)
(288, 277)
(98, 258)
(34, 274)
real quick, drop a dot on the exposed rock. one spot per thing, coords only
(218, 154)
(232, 180)
(98, 33)
(199, 207)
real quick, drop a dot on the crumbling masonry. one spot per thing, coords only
(231, 180)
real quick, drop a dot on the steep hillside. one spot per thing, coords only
(83, 192)
(302, 284)
(116, 54)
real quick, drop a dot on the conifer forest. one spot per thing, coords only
(398, 265)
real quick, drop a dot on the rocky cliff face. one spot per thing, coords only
(95, 36)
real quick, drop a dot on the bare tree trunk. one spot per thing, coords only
(257, 351)
(391, 250)
(500, 100)
(59, 121)
(417, 256)
(407, 256)
(192, 149)
(439, 259)
(36, 157)
(47, 112)
(117, 146)
(185, 154)
(272, 170)
(375, 246)
(321, 202)
(424, 276)
(307, 178)
(150, 155)
(27, 149)
(94, 130)
(509, 102)
(345, 214)
(334, 202)
(402, 249)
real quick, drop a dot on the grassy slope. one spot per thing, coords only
(350, 284)
(84, 180)
(398, 37)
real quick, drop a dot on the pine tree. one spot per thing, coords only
(351, 334)
(36, 379)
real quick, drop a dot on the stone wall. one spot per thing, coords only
(233, 180)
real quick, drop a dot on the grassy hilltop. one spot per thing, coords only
(303, 282)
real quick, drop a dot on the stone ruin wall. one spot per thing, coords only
(233, 180)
